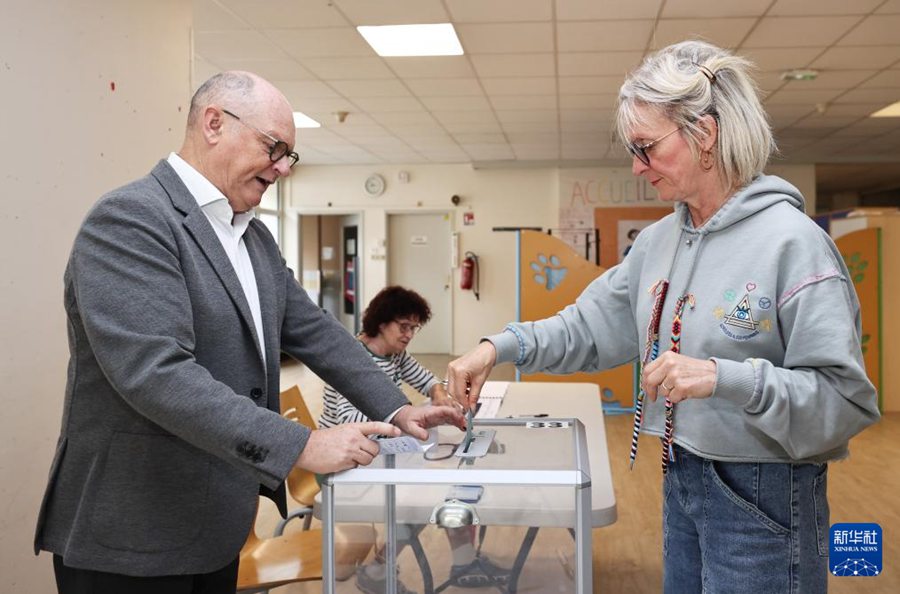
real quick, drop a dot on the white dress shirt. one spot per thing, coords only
(229, 227)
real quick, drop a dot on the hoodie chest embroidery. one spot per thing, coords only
(743, 321)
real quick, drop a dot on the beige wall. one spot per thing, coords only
(497, 197)
(67, 138)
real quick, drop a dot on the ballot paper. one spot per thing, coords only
(406, 443)
(490, 399)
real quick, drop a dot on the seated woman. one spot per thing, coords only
(389, 323)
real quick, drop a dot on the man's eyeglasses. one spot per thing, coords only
(277, 150)
(407, 328)
(640, 150)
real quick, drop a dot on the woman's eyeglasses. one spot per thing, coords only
(640, 150)
(407, 328)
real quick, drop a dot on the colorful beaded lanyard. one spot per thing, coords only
(651, 352)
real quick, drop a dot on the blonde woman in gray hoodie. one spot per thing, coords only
(746, 324)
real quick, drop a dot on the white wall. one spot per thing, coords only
(67, 138)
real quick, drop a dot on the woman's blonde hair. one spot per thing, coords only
(688, 80)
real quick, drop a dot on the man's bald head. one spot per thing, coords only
(236, 90)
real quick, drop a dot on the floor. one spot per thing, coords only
(627, 558)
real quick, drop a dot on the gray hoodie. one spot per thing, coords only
(773, 307)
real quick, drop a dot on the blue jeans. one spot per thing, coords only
(754, 528)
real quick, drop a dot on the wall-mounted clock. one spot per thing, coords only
(374, 185)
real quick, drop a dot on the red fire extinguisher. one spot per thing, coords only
(468, 277)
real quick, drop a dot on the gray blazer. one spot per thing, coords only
(171, 423)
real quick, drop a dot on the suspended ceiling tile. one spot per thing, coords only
(412, 117)
(268, 14)
(801, 97)
(858, 58)
(527, 152)
(822, 7)
(783, 31)
(463, 127)
(334, 42)
(533, 138)
(827, 120)
(395, 12)
(704, 9)
(385, 104)
(545, 127)
(571, 10)
(890, 7)
(506, 38)
(605, 101)
(598, 63)
(479, 138)
(884, 96)
(305, 89)
(473, 103)
(348, 68)
(479, 11)
(371, 88)
(431, 67)
(488, 152)
(582, 152)
(603, 36)
(454, 155)
(598, 126)
(520, 86)
(727, 33)
(590, 85)
(832, 79)
(504, 102)
(444, 87)
(527, 115)
(888, 79)
(406, 131)
(280, 70)
(454, 116)
(500, 65)
(781, 58)
(875, 30)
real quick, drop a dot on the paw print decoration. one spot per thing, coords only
(549, 272)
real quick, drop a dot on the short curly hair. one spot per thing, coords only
(392, 303)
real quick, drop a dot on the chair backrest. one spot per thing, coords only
(301, 484)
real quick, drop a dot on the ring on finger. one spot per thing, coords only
(668, 388)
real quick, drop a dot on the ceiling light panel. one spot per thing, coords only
(412, 40)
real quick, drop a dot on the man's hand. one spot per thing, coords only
(466, 375)
(342, 447)
(416, 420)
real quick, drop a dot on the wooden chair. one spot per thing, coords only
(270, 562)
(352, 541)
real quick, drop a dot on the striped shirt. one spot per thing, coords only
(401, 367)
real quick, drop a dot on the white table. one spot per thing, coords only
(500, 505)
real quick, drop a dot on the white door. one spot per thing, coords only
(419, 259)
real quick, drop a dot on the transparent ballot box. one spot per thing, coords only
(520, 492)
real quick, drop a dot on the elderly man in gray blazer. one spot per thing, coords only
(179, 305)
